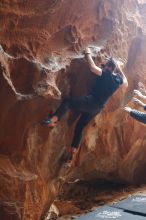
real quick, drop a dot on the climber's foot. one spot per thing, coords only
(50, 121)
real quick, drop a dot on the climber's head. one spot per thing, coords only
(110, 64)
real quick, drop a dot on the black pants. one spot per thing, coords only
(87, 105)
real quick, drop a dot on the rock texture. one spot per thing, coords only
(41, 62)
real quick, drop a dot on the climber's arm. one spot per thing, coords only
(95, 69)
(122, 75)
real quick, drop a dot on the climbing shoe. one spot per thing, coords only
(46, 121)
(49, 122)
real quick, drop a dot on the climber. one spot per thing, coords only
(138, 115)
(106, 83)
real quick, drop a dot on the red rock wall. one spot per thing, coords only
(40, 63)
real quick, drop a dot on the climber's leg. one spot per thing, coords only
(56, 116)
(84, 119)
(84, 104)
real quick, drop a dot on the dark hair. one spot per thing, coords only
(111, 63)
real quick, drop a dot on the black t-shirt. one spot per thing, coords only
(106, 85)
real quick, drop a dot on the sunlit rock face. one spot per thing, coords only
(41, 62)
